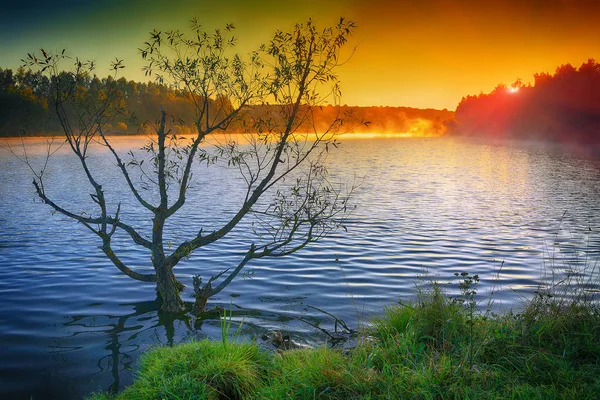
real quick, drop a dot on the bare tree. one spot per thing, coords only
(271, 95)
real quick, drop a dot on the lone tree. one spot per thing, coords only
(270, 95)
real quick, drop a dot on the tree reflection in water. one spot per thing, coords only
(99, 351)
(124, 339)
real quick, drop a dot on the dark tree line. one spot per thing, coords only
(25, 97)
(23, 101)
(559, 107)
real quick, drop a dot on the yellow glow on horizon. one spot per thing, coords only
(372, 135)
(418, 128)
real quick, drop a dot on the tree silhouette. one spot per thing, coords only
(287, 193)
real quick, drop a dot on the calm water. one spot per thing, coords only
(70, 324)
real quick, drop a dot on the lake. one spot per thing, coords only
(426, 208)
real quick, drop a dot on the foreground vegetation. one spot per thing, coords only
(439, 347)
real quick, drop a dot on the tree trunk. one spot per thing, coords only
(168, 288)
(202, 294)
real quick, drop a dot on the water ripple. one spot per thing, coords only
(427, 209)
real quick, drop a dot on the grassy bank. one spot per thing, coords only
(439, 347)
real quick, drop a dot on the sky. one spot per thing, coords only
(424, 54)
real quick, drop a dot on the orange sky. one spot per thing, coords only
(427, 53)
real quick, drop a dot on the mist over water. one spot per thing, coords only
(72, 324)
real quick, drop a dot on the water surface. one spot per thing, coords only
(71, 324)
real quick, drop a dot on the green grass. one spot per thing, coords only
(437, 347)
(198, 370)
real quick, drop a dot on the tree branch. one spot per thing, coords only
(106, 248)
(125, 173)
(190, 160)
(137, 238)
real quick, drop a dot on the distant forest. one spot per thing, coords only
(559, 107)
(25, 109)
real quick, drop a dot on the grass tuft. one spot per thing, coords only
(198, 370)
(321, 373)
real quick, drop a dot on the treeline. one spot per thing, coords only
(26, 109)
(26, 103)
(559, 107)
(403, 120)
